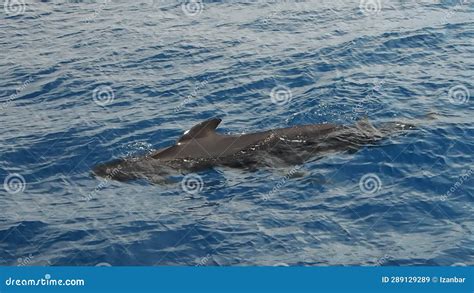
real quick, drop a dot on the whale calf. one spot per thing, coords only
(202, 147)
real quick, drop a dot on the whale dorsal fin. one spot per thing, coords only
(200, 130)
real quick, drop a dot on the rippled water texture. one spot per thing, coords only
(87, 82)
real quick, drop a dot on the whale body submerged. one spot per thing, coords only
(202, 147)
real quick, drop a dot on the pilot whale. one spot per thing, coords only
(202, 147)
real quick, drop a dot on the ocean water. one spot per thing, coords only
(85, 82)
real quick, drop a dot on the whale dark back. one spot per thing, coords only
(202, 147)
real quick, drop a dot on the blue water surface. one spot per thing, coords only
(85, 82)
